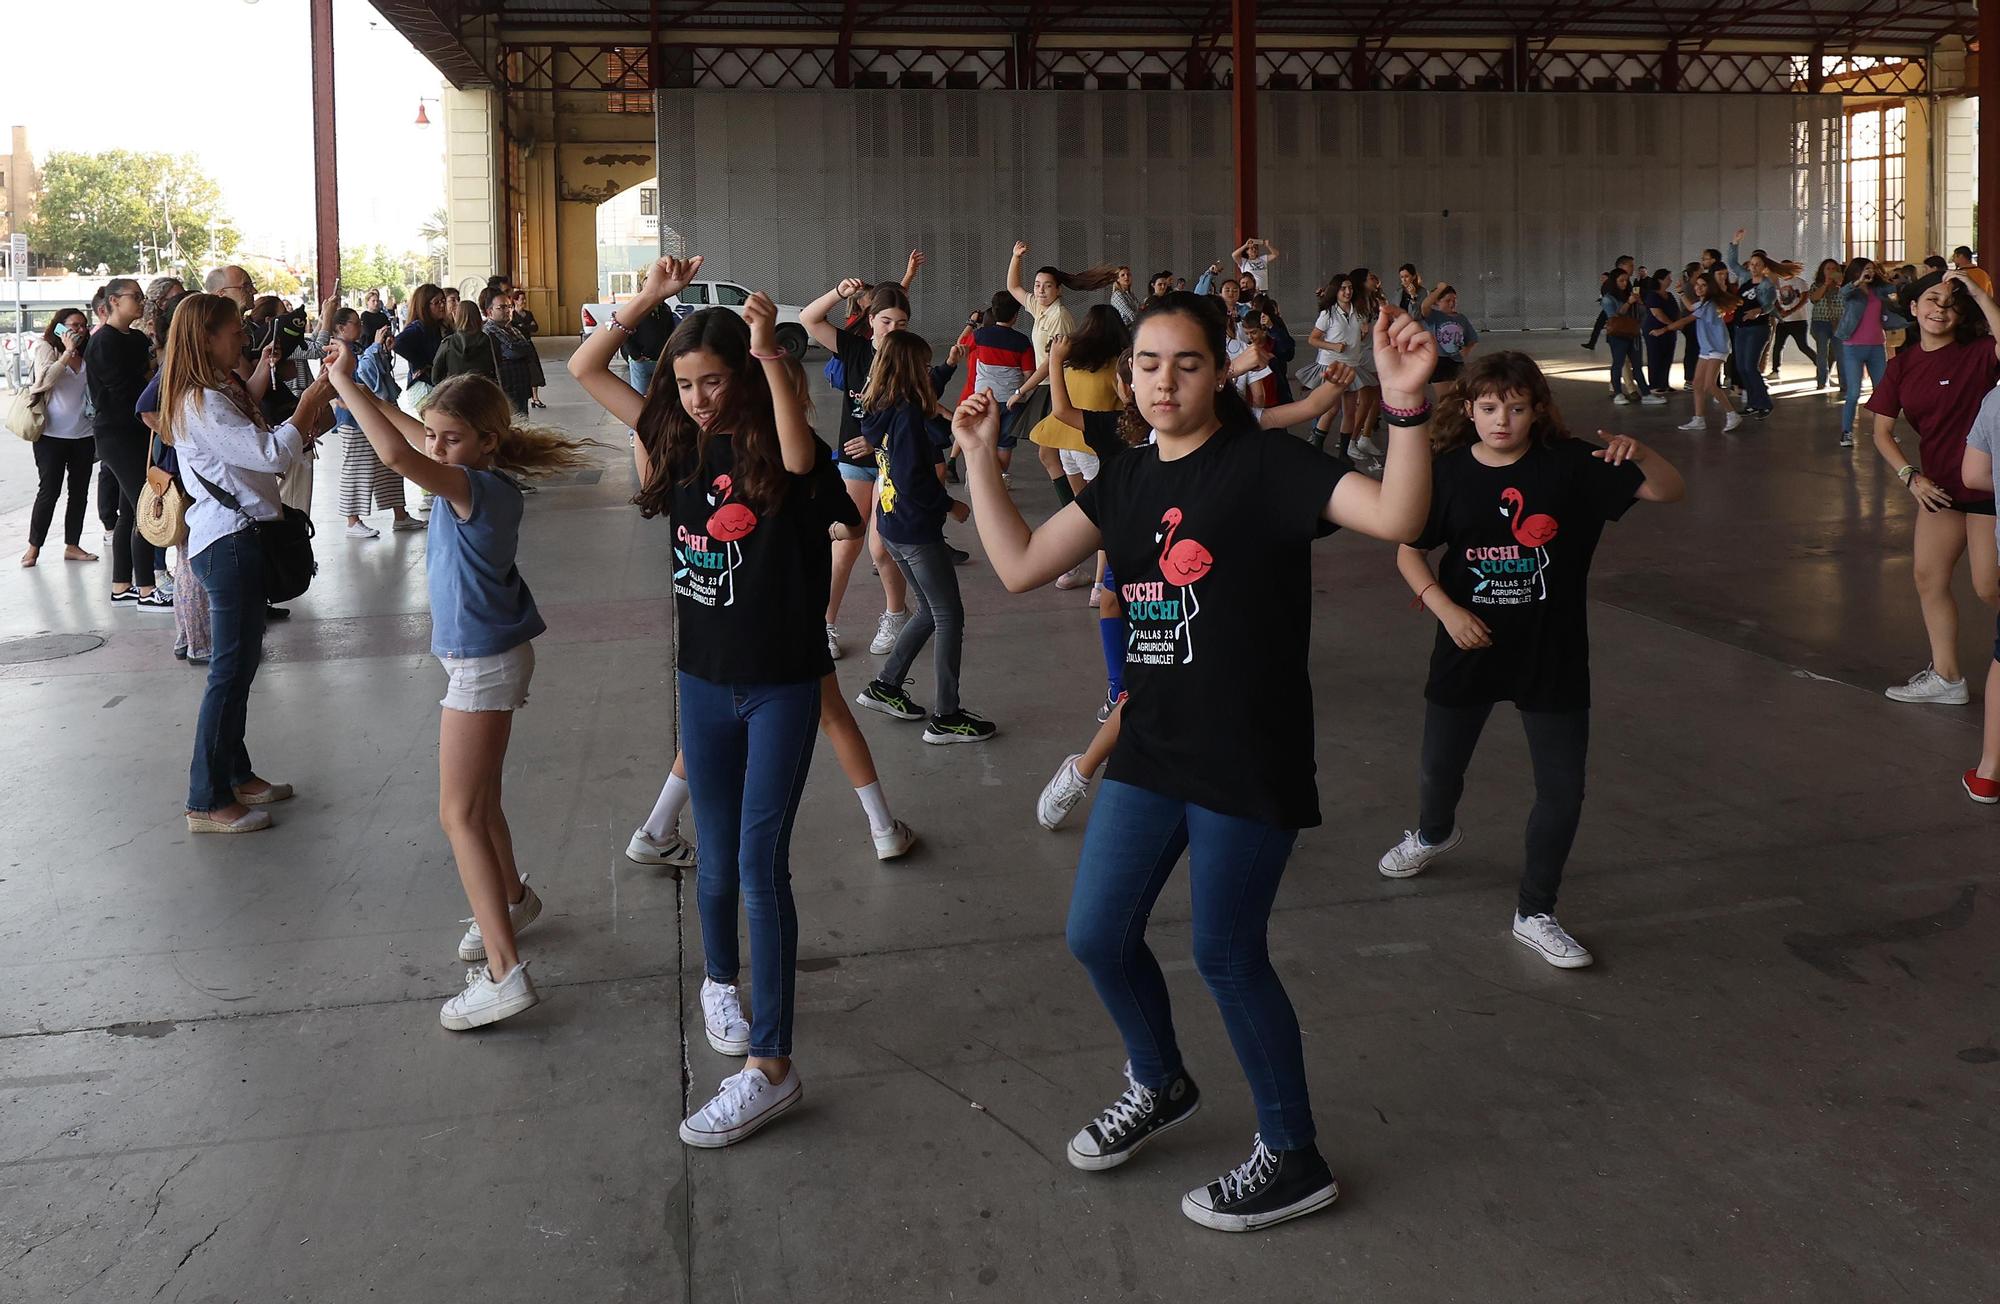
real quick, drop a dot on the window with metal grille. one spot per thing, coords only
(626, 69)
(649, 201)
(1874, 174)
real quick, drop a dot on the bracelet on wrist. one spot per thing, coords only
(1418, 601)
(1406, 417)
(615, 325)
(778, 356)
(1906, 473)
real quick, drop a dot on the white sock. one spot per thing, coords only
(1081, 777)
(877, 806)
(667, 810)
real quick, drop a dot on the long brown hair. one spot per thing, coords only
(1090, 278)
(901, 373)
(673, 439)
(519, 449)
(187, 369)
(1719, 294)
(422, 300)
(1496, 375)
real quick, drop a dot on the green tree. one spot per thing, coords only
(100, 208)
(362, 270)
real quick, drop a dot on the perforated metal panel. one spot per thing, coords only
(1520, 201)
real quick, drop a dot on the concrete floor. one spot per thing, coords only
(222, 1077)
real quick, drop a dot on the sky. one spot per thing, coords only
(391, 171)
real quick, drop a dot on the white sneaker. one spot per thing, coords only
(484, 1001)
(887, 630)
(1542, 934)
(1072, 579)
(833, 641)
(1847, 439)
(1621, 399)
(722, 1018)
(1927, 685)
(1364, 444)
(1408, 857)
(745, 1103)
(1061, 795)
(896, 842)
(1096, 594)
(1654, 400)
(523, 912)
(409, 523)
(362, 530)
(1730, 422)
(676, 851)
(1698, 423)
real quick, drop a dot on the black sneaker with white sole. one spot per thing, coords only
(960, 726)
(889, 699)
(1270, 1187)
(1132, 1120)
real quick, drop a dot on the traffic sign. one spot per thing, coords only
(18, 249)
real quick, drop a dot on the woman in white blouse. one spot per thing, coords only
(64, 453)
(222, 439)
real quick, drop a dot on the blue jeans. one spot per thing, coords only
(1854, 359)
(1626, 349)
(231, 571)
(1134, 839)
(1824, 346)
(639, 375)
(1749, 343)
(748, 748)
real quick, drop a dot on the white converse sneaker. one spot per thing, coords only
(1408, 857)
(833, 641)
(886, 632)
(362, 530)
(675, 851)
(897, 841)
(1061, 794)
(484, 1001)
(1367, 446)
(1542, 934)
(745, 1103)
(1654, 400)
(1697, 423)
(1927, 685)
(523, 912)
(1730, 422)
(722, 1018)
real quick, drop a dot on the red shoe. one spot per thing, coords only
(1984, 791)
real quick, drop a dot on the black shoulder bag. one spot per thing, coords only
(287, 543)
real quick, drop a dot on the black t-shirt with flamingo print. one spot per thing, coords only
(1214, 563)
(1517, 546)
(750, 583)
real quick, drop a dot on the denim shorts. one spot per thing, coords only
(495, 683)
(849, 471)
(1715, 357)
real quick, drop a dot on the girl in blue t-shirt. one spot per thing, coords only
(1711, 300)
(483, 623)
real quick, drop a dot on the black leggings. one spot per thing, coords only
(131, 555)
(1796, 332)
(107, 495)
(1558, 742)
(58, 461)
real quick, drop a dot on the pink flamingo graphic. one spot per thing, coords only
(727, 524)
(1536, 531)
(1182, 562)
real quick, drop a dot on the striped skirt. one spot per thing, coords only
(365, 484)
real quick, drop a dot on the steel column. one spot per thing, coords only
(326, 181)
(1243, 110)
(1989, 132)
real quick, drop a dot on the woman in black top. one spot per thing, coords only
(1209, 531)
(726, 454)
(117, 364)
(419, 341)
(1518, 507)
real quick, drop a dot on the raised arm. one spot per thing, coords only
(394, 436)
(1736, 267)
(1987, 307)
(1396, 507)
(1014, 286)
(813, 317)
(1024, 559)
(796, 441)
(910, 269)
(1242, 251)
(1430, 299)
(591, 363)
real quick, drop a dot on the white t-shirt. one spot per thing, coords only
(67, 399)
(1341, 328)
(1255, 266)
(1793, 305)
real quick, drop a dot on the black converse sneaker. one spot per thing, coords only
(1132, 1120)
(1271, 1187)
(889, 699)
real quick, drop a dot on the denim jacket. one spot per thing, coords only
(374, 370)
(1764, 291)
(1852, 306)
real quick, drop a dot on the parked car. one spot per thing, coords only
(711, 294)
